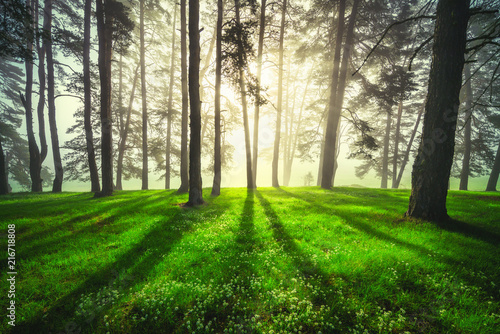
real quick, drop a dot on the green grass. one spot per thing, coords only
(290, 260)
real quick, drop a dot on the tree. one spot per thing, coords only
(495, 171)
(218, 75)
(89, 136)
(169, 107)
(464, 175)
(195, 181)
(277, 137)
(57, 184)
(144, 101)
(431, 169)
(185, 100)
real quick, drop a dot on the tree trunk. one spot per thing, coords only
(276, 152)
(332, 134)
(329, 143)
(495, 171)
(41, 80)
(195, 182)
(464, 175)
(104, 29)
(257, 100)
(35, 165)
(4, 183)
(89, 136)
(396, 146)
(385, 157)
(170, 101)
(144, 101)
(123, 139)
(218, 76)
(243, 91)
(431, 170)
(408, 149)
(185, 104)
(58, 179)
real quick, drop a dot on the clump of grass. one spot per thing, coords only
(291, 260)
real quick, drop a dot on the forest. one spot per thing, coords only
(250, 166)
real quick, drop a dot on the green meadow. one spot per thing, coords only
(289, 260)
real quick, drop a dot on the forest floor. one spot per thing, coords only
(290, 260)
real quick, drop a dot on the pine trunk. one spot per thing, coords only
(124, 135)
(89, 136)
(170, 102)
(385, 156)
(243, 92)
(495, 171)
(218, 76)
(195, 182)
(256, 118)
(276, 152)
(395, 158)
(58, 179)
(104, 28)
(4, 183)
(431, 170)
(464, 175)
(144, 101)
(185, 104)
(41, 92)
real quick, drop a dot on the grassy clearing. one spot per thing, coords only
(291, 260)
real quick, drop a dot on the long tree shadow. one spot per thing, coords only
(135, 264)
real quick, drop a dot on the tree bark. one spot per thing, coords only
(4, 183)
(431, 170)
(332, 133)
(58, 179)
(185, 104)
(408, 149)
(123, 139)
(144, 101)
(243, 92)
(41, 79)
(464, 175)
(385, 156)
(328, 146)
(257, 99)
(396, 145)
(195, 181)
(87, 86)
(495, 171)
(218, 76)
(276, 152)
(35, 165)
(104, 29)
(170, 101)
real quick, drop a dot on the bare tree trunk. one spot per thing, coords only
(276, 153)
(41, 80)
(195, 182)
(144, 100)
(258, 100)
(408, 148)
(35, 165)
(385, 157)
(431, 170)
(104, 29)
(495, 171)
(396, 145)
(464, 175)
(243, 91)
(185, 104)
(89, 136)
(327, 160)
(124, 134)
(4, 183)
(58, 179)
(170, 101)
(218, 76)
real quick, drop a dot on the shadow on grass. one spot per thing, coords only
(134, 264)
